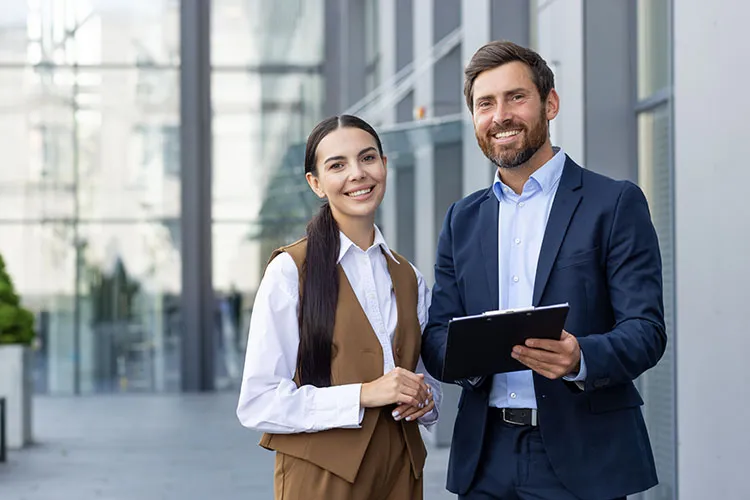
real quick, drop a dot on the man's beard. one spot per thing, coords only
(512, 158)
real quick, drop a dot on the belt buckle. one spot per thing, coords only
(533, 418)
(507, 421)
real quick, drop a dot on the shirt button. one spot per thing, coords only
(515, 279)
(521, 204)
(518, 241)
(513, 395)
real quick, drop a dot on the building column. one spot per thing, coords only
(424, 194)
(387, 53)
(476, 169)
(197, 300)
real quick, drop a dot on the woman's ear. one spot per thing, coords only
(314, 184)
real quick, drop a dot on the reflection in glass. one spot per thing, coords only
(40, 259)
(136, 112)
(253, 32)
(266, 96)
(90, 32)
(130, 308)
(653, 46)
(89, 192)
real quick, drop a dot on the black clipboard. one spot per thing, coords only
(481, 345)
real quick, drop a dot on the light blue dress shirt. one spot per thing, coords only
(522, 220)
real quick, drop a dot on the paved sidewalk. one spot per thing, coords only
(150, 447)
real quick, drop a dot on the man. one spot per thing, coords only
(547, 232)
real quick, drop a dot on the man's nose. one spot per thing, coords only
(502, 114)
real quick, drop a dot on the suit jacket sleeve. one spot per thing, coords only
(446, 305)
(446, 302)
(633, 273)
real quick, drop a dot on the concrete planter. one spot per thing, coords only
(16, 386)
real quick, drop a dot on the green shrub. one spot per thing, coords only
(16, 323)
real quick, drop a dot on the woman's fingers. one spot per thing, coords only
(409, 413)
(404, 411)
(422, 412)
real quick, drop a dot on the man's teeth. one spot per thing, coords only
(502, 135)
(360, 192)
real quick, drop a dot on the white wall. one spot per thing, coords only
(559, 33)
(712, 248)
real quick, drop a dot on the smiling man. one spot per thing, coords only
(546, 232)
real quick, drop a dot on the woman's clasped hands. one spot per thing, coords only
(399, 386)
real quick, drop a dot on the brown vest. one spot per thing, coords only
(357, 357)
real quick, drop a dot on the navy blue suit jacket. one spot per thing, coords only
(600, 254)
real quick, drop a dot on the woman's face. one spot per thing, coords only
(350, 173)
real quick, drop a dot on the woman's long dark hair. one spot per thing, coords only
(320, 285)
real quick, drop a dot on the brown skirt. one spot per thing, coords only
(385, 473)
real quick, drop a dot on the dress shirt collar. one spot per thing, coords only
(546, 177)
(379, 241)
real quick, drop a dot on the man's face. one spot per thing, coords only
(510, 120)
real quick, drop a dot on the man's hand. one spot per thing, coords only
(551, 358)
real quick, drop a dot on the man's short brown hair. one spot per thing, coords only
(500, 52)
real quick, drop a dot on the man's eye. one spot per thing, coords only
(336, 166)
(369, 158)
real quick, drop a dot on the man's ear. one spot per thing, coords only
(314, 184)
(552, 105)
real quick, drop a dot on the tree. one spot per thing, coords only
(16, 323)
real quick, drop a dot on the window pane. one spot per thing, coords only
(257, 119)
(130, 298)
(106, 138)
(128, 152)
(251, 32)
(40, 259)
(653, 46)
(657, 385)
(37, 123)
(90, 32)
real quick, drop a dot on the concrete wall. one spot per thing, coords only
(712, 248)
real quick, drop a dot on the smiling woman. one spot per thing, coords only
(333, 373)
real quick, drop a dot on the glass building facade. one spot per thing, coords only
(90, 188)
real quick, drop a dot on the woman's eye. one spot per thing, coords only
(336, 166)
(369, 158)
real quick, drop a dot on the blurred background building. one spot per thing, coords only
(152, 158)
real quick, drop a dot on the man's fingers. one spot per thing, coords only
(546, 370)
(548, 345)
(540, 355)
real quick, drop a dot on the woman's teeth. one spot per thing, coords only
(359, 193)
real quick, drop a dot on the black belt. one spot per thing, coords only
(515, 416)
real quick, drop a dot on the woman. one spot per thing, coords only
(332, 372)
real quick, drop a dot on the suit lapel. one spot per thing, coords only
(488, 212)
(566, 201)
